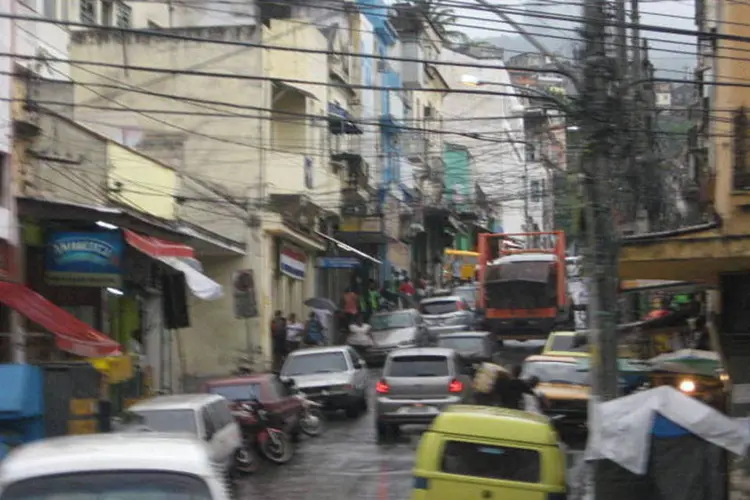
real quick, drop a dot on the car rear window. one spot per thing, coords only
(237, 392)
(439, 307)
(562, 343)
(419, 366)
(493, 462)
(118, 485)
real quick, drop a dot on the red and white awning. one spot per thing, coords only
(179, 257)
(71, 334)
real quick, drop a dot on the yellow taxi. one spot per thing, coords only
(566, 387)
(488, 452)
(564, 344)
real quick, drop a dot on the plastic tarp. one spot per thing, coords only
(625, 434)
(199, 284)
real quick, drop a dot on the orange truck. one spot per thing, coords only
(523, 284)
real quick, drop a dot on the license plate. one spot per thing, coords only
(417, 409)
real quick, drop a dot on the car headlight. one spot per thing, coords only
(687, 386)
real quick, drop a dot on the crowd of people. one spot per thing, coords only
(289, 334)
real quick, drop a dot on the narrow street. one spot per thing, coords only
(346, 462)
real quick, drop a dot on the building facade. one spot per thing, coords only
(271, 172)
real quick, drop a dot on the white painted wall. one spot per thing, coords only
(40, 39)
(367, 97)
(499, 168)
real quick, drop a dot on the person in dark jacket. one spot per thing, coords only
(278, 339)
(510, 391)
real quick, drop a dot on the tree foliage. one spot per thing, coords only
(443, 19)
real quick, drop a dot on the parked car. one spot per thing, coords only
(417, 385)
(467, 292)
(144, 465)
(267, 388)
(472, 347)
(446, 314)
(205, 416)
(334, 376)
(395, 330)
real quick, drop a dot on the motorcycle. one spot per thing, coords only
(260, 435)
(312, 421)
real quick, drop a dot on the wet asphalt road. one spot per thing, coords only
(346, 462)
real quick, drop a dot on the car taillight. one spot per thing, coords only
(382, 387)
(455, 386)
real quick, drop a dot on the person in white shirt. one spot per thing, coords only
(360, 336)
(294, 332)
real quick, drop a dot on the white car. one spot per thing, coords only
(146, 465)
(205, 416)
(334, 376)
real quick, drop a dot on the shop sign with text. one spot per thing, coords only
(91, 259)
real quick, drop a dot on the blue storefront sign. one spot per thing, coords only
(337, 263)
(90, 259)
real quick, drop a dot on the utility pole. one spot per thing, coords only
(599, 130)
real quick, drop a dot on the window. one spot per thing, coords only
(418, 366)
(110, 486)
(536, 191)
(446, 306)
(50, 9)
(209, 429)
(88, 11)
(106, 17)
(169, 420)
(306, 364)
(220, 414)
(123, 15)
(556, 373)
(492, 462)
(391, 321)
(463, 344)
(237, 392)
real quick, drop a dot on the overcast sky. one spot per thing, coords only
(678, 14)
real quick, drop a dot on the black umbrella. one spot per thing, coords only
(321, 303)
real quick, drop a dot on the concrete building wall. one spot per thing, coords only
(68, 163)
(499, 168)
(6, 43)
(221, 158)
(40, 40)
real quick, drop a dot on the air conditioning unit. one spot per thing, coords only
(382, 66)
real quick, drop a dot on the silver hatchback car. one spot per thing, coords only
(416, 385)
(447, 314)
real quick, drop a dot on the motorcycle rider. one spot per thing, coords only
(510, 391)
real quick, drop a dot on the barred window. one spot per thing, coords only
(741, 164)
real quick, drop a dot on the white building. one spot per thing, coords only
(5, 87)
(500, 157)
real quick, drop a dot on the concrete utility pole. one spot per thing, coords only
(597, 169)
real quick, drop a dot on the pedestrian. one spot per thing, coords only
(278, 339)
(370, 301)
(510, 391)
(360, 335)
(350, 306)
(294, 332)
(314, 331)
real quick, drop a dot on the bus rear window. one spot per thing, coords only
(492, 462)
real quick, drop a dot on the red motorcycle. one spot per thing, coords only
(260, 435)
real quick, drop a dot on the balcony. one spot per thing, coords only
(416, 147)
(297, 211)
(341, 121)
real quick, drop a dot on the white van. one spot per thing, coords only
(146, 465)
(205, 416)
